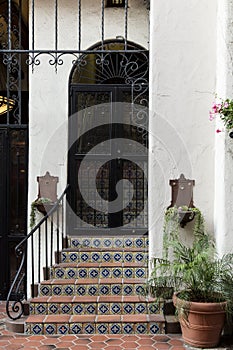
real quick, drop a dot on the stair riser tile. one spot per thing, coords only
(102, 272)
(95, 308)
(101, 257)
(108, 242)
(95, 328)
(91, 290)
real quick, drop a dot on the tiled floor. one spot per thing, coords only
(9, 340)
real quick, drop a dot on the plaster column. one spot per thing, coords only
(182, 84)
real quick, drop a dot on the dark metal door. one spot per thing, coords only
(13, 200)
(103, 151)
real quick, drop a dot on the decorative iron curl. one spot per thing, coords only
(33, 60)
(14, 308)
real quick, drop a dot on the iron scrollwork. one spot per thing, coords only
(14, 309)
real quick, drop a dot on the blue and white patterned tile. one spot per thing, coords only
(140, 308)
(140, 328)
(93, 272)
(88, 328)
(50, 329)
(128, 257)
(139, 257)
(63, 329)
(40, 309)
(115, 328)
(66, 308)
(78, 309)
(96, 242)
(103, 309)
(139, 289)
(45, 290)
(104, 289)
(70, 273)
(90, 309)
(53, 308)
(153, 328)
(86, 242)
(102, 328)
(118, 242)
(154, 308)
(85, 257)
(105, 272)
(117, 272)
(117, 257)
(59, 273)
(115, 308)
(106, 257)
(73, 257)
(128, 289)
(140, 272)
(96, 257)
(128, 308)
(81, 290)
(92, 290)
(128, 272)
(68, 290)
(36, 329)
(127, 328)
(107, 242)
(75, 243)
(82, 272)
(139, 242)
(116, 289)
(75, 328)
(128, 242)
(56, 290)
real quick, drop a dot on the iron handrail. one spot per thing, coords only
(17, 306)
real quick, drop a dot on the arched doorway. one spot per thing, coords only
(108, 140)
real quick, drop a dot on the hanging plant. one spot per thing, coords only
(34, 208)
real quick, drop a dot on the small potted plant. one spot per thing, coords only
(42, 205)
(223, 110)
(201, 280)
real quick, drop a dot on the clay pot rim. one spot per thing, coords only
(202, 306)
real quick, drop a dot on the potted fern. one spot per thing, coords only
(201, 280)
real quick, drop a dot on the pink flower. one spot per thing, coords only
(216, 107)
(226, 105)
(211, 116)
(218, 131)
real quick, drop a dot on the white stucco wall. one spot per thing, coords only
(182, 83)
(223, 144)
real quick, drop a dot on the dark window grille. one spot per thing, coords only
(115, 3)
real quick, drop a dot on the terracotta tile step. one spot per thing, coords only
(87, 324)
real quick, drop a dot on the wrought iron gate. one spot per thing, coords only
(13, 200)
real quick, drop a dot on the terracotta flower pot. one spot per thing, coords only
(201, 323)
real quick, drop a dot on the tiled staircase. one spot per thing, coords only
(96, 289)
